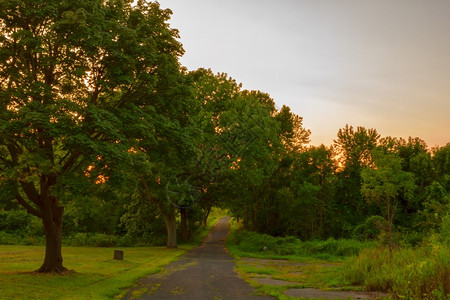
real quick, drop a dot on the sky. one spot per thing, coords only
(380, 64)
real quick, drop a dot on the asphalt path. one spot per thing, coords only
(206, 272)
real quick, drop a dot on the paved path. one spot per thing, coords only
(206, 272)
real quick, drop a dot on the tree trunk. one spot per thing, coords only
(255, 215)
(206, 213)
(185, 234)
(171, 226)
(52, 215)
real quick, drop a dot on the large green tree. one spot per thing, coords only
(74, 77)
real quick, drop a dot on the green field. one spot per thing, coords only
(97, 275)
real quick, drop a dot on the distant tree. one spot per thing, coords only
(354, 147)
(441, 165)
(353, 152)
(416, 159)
(436, 198)
(292, 132)
(74, 79)
(313, 182)
(241, 140)
(384, 183)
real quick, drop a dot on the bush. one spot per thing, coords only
(126, 241)
(252, 242)
(20, 239)
(342, 247)
(93, 240)
(17, 227)
(14, 220)
(422, 273)
(370, 229)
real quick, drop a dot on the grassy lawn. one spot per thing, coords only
(97, 275)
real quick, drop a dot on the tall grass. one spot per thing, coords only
(421, 273)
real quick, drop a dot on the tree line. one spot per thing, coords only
(103, 130)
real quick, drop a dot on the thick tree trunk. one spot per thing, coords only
(171, 226)
(52, 215)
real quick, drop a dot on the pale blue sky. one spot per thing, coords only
(381, 64)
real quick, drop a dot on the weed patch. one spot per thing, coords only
(421, 273)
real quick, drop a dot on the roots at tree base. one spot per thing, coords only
(52, 269)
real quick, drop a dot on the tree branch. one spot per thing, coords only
(30, 191)
(73, 157)
(30, 209)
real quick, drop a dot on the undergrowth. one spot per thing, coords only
(421, 273)
(248, 243)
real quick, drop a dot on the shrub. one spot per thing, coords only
(247, 241)
(421, 273)
(94, 240)
(14, 220)
(370, 229)
(17, 227)
(342, 247)
(20, 239)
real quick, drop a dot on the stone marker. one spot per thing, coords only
(118, 255)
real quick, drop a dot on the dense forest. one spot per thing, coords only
(106, 137)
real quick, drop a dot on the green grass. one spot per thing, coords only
(97, 275)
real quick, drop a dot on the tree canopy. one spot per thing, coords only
(80, 85)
